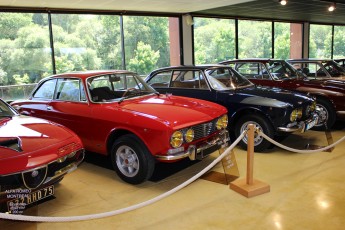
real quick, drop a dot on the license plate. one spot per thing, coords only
(31, 197)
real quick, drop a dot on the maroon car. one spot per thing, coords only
(319, 68)
(329, 93)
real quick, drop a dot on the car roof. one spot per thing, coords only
(90, 73)
(309, 60)
(189, 67)
(263, 60)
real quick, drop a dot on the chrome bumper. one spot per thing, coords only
(67, 169)
(200, 150)
(301, 126)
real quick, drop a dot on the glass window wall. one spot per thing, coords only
(288, 40)
(320, 41)
(254, 39)
(339, 42)
(214, 40)
(147, 43)
(86, 42)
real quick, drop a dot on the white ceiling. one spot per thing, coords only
(173, 6)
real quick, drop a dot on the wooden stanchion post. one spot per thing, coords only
(250, 187)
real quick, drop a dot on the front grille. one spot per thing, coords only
(56, 166)
(204, 130)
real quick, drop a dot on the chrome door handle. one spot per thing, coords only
(49, 108)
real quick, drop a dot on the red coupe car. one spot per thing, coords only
(116, 113)
(329, 92)
(34, 155)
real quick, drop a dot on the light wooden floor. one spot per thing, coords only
(307, 192)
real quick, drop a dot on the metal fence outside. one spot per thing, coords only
(14, 92)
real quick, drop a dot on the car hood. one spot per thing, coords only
(175, 110)
(22, 135)
(273, 97)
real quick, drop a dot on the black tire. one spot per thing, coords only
(260, 144)
(327, 115)
(131, 159)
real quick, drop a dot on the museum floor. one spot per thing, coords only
(307, 191)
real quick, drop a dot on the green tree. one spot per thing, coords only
(339, 42)
(282, 40)
(150, 30)
(3, 75)
(144, 59)
(10, 23)
(214, 40)
(255, 39)
(109, 46)
(67, 21)
(28, 54)
(321, 35)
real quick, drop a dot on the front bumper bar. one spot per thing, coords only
(200, 150)
(301, 126)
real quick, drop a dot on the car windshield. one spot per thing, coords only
(334, 68)
(117, 87)
(225, 78)
(281, 70)
(6, 110)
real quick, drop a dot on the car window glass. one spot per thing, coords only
(103, 81)
(45, 90)
(82, 92)
(333, 68)
(227, 76)
(247, 69)
(281, 70)
(313, 70)
(161, 79)
(188, 79)
(252, 70)
(5, 110)
(117, 86)
(68, 89)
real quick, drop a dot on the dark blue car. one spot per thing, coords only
(276, 112)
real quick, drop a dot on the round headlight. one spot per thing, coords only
(176, 139)
(225, 121)
(189, 135)
(222, 122)
(293, 115)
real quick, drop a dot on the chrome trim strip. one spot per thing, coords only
(341, 113)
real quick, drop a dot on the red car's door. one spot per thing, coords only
(76, 116)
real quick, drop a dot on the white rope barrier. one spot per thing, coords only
(299, 150)
(127, 209)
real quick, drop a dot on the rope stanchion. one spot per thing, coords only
(249, 186)
(299, 150)
(127, 209)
